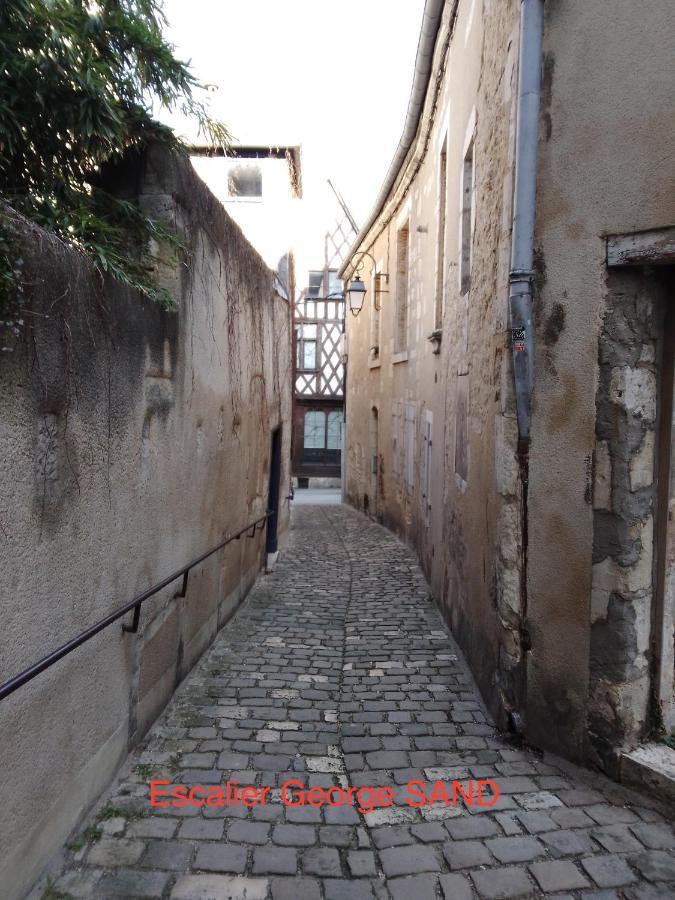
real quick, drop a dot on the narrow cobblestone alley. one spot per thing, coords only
(338, 670)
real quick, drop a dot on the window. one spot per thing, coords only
(314, 284)
(440, 271)
(323, 431)
(244, 180)
(402, 254)
(396, 439)
(334, 431)
(409, 446)
(467, 220)
(334, 283)
(306, 348)
(426, 466)
(315, 430)
(375, 315)
(462, 428)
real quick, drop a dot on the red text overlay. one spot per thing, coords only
(294, 793)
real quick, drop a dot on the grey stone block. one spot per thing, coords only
(408, 860)
(414, 887)
(295, 889)
(655, 865)
(502, 883)
(515, 849)
(221, 858)
(274, 861)
(455, 887)
(467, 854)
(294, 835)
(323, 861)
(361, 863)
(173, 855)
(558, 875)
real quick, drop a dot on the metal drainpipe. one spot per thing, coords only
(520, 282)
(524, 198)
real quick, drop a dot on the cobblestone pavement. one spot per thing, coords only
(338, 670)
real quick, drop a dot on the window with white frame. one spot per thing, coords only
(322, 431)
(315, 430)
(306, 345)
(402, 263)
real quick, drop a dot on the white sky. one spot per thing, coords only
(333, 77)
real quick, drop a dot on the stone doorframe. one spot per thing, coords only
(629, 618)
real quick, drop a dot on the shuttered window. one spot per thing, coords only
(402, 259)
(397, 441)
(409, 440)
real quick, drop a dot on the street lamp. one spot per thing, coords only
(356, 292)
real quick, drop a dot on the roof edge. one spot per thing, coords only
(431, 23)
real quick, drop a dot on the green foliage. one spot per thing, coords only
(11, 286)
(145, 772)
(80, 84)
(52, 893)
(89, 836)
(119, 812)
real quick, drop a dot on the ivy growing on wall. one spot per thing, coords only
(80, 85)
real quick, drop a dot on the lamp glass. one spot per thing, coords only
(356, 294)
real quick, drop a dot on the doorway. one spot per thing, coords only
(273, 492)
(664, 606)
(374, 463)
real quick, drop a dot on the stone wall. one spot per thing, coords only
(548, 591)
(600, 173)
(624, 505)
(132, 440)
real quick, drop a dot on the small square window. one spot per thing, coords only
(244, 180)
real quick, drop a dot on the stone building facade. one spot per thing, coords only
(542, 523)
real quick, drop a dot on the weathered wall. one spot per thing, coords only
(467, 530)
(624, 507)
(131, 440)
(602, 171)
(562, 653)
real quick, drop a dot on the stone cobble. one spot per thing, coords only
(338, 671)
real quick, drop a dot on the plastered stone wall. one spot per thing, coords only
(131, 441)
(543, 567)
(600, 172)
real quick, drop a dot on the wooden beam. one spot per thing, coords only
(648, 248)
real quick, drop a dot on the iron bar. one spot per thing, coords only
(32, 671)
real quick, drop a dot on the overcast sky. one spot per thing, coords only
(334, 77)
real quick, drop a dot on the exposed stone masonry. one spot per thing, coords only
(624, 506)
(338, 670)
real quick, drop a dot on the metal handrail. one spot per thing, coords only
(32, 671)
